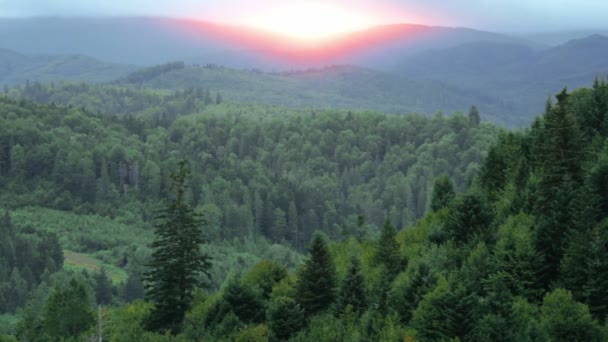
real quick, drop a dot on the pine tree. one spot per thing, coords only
(469, 218)
(563, 319)
(67, 312)
(246, 304)
(518, 263)
(279, 225)
(443, 193)
(285, 317)
(103, 288)
(387, 251)
(410, 288)
(474, 118)
(177, 261)
(316, 286)
(352, 290)
(133, 289)
(584, 269)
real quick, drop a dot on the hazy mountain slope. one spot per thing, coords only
(558, 38)
(340, 86)
(513, 72)
(149, 41)
(17, 68)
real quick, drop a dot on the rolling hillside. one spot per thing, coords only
(17, 68)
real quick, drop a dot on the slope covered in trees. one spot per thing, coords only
(257, 170)
(17, 68)
(265, 177)
(513, 250)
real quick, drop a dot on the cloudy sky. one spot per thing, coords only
(499, 15)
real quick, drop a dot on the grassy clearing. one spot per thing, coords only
(80, 261)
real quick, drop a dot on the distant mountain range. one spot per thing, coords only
(17, 68)
(514, 73)
(394, 68)
(148, 41)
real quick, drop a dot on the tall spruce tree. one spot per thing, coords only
(470, 218)
(387, 251)
(103, 287)
(177, 260)
(67, 312)
(474, 118)
(560, 159)
(316, 286)
(443, 193)
(352, 289)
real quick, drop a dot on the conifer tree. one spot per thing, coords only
(316, 286)
(469, 217)
(410, 288)
(246, 304)
(352, 289)
(103, 288)
(563, 319)
(560, 159)
(285, 317)
(67, 312)
(387, 251)
(177, 260)
(443, 193)
(474, 118)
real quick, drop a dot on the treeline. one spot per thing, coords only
(256, 170)
(141, 76)
(154, 107)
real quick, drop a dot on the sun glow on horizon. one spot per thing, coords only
(310, 20)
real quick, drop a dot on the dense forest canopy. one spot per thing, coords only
(428, 228)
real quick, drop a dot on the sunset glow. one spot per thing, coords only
(310, 20)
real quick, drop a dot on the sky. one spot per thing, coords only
(495, 15)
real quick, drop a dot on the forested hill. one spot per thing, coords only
(17, 68)
(512, 245)
(262, 170)
(343, 87)
(87, 185)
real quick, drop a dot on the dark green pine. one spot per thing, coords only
(443, 193)
(177, 260)
(387, 251)
(316, 286)
(246, 304)
(352, 290)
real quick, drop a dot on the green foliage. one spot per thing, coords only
(244, 302)
(563, 319)
(26, 257)
(317, 283)
(68, 312)
(409, 289)
(434, 319)
(478, 264)
(177, 260)
(352, 290)
(388, 254)
(265, 275)
(518, 263)
(470, 219)
(443, 192)
(584, 268)
(103, 288)
(250, 163)
(285, 317)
